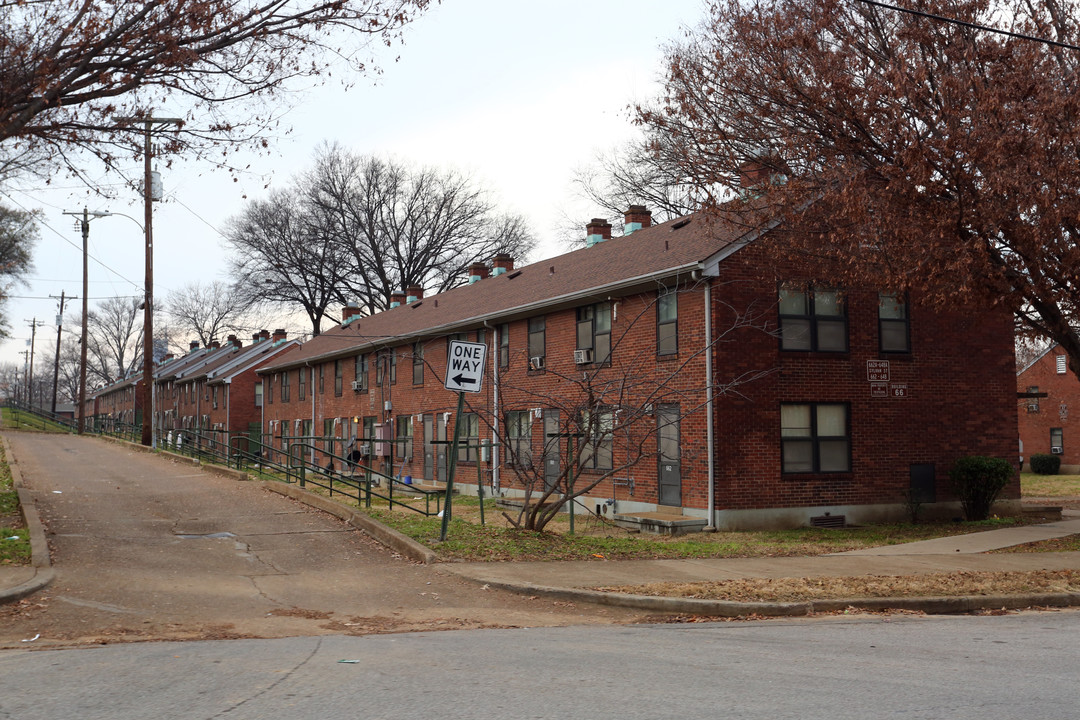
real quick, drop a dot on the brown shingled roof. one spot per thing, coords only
(618, 265)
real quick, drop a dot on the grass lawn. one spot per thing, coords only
(14, 540)
(595, 538)
(1049, 486)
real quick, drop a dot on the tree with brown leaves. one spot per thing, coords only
(899, 150)
(69, 67)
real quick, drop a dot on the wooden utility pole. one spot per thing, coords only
(56, 363)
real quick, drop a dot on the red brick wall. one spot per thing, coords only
(959, 379)
(1056, 410)
(960, 400)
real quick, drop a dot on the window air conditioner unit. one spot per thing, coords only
(1057, 450)
(536, 363)
(357, 385)
(582, 357)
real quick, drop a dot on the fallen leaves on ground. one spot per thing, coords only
(863, 586)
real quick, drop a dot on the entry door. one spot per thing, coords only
(670, 474)
(429, 449)
(552, 458)
(442, 450)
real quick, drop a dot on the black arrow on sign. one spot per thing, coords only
(460, 379)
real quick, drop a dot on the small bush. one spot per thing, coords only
(977, 480)
(1042, 464)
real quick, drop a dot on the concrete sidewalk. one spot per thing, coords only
(572, 580)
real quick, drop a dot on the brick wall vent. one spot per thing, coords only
(829, 521)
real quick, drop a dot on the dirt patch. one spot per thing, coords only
(868, 586)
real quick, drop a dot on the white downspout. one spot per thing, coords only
(495, 406)
(710, 430)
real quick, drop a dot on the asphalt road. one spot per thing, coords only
(933, 668)
(146, 548)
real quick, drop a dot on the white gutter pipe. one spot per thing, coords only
(710, 430)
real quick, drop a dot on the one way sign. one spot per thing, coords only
(465, 366)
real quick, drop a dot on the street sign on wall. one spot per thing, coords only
(465, 366)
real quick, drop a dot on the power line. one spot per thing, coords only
(974, 26)
(69, 242)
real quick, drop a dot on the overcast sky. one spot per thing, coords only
(518, 95)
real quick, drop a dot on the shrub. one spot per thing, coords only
(977, 480)
(1043, 464)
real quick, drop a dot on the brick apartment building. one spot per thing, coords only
(214, 391)
(1044, 421)
(115, 404)
(685, 372)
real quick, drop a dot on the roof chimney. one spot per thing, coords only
(350, 311)
(264, 334)
(413, 293)
(168, 356)
(477, 272)
(235, 341)
(597, 231)
(215, 344)
(194, 345)
(501, 263)
(280, 335)
(760, 171)
(636, 218)
(396, 299)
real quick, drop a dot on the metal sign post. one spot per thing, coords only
(464, 373)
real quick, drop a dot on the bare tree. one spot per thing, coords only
(114, 340)
(404, 226)
(284, 256)
(68, 67)
(209, 310)
(640, 172)
(360, 228)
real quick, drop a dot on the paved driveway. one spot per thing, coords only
(147, 548)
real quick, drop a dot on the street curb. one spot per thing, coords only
(396, 541)
(729, 609)
(39, 545)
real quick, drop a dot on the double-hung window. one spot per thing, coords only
(815, 438)
(594, 331)
(339, 378)
(468, 449)
(519, 437)
(285, 386)
(893, 325)
(360, 372)
(598, 428)
(404, 437)
(812, 319)
(504, 345)
(301, 385)
(537, 342)
(1057, 441)
(418, 363)
(667, 323)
